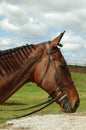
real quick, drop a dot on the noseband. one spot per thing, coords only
(60, 87)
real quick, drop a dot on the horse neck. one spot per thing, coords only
(21, 63)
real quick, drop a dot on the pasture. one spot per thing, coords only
(30, 94)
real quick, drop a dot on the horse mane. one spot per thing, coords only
(6, 52)
(12, 59)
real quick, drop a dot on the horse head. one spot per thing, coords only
(43, 64)
(52, 75)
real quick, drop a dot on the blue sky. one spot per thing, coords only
(34, 21)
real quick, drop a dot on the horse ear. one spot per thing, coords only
(55, 42)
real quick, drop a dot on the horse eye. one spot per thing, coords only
(63, 66)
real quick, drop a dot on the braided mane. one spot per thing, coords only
(12, 59)
(6, 52)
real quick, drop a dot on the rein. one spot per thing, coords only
(46, 104)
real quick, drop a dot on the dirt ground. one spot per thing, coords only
(48, 122)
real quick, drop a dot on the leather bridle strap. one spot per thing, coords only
(45, 71)
(57, 89)
(59, 86)
(46, 104)
(54, 67)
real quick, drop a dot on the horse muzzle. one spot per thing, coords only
(67, 107)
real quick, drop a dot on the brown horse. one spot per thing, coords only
(43, 64)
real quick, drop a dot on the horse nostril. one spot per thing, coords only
(77, 104)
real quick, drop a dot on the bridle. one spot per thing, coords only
(60, 87)
(58, 90)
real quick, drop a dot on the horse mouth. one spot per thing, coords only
(67, 106)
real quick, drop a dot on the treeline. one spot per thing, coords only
(78, 69)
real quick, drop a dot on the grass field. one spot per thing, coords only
(30, 94)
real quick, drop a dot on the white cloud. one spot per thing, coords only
(73, 42)
(37, 19)
(74, 49)
(6, 25)
(6, 43)
(44, 14)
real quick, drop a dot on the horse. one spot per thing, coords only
(42, 64)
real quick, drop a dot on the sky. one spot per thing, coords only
(36, 21)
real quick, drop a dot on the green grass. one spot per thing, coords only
(80, 82)
(30, 94)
